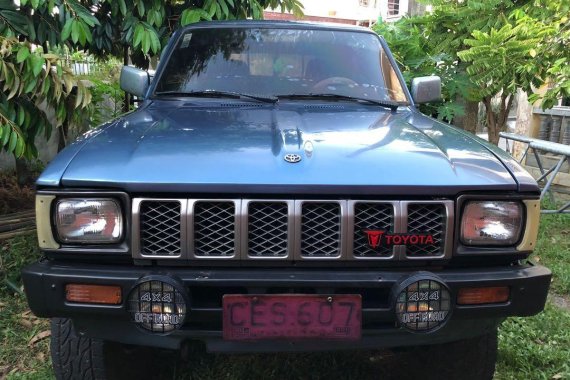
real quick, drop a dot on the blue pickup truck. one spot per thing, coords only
(278, 190)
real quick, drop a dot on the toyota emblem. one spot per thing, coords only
(292, 158)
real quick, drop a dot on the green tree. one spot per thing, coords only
(485, 50)
(527, 51)
(137, 30)
(416, 57)
(32, 77)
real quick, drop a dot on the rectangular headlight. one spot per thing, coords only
(97, 221)
(491, 223)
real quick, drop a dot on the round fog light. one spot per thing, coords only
(423, 304)
(158, 305)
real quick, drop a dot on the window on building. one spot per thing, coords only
(363, 3)
(393, 7)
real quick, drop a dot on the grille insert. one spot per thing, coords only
(286, 230)
(320, 230)
(371, 216)
(160, 228)
(427, 219)
(267, 229)
(214, 229)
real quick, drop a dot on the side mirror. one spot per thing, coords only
(426, 89)
(134, 81)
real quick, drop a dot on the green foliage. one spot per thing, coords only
(416, 57)
(145, 25)
(30, 80)
(552, 52)
(523, 49)
(487, 48)
(536, 347)
(33, 79)
(107, 101)
(503, 60)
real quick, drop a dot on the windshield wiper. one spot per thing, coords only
(218, 94)
(384, 103)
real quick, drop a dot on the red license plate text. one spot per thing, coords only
(291, 316)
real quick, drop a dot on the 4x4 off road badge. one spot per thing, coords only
(382, 238)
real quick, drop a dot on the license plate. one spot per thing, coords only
(291, 316)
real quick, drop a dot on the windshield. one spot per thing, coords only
(280, 62)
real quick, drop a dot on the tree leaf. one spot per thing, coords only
(12, 143)
(23, 53)
(20, 146)
(123, 7)
(16, 21)
(140, 7)
(154, 42)
(138, 35)
(21, 115)
(225, 10)
(66, 31)
(37, 64)
(75, 31)
(38, 337)
(190, 16)
(145, 42)
(6, 132)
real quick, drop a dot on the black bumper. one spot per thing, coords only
(45, 283)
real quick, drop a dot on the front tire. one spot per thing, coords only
(75, 357)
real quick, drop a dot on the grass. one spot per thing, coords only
(553, 250)
(529, 348)
(19, 358)
(536, 347)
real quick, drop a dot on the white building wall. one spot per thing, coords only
(358, 10)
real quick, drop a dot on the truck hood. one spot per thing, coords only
(237, 147)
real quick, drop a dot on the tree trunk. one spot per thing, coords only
(497, 122)
(62, 135)
(467, 121)
(522, 127)
(23, 172)
(491, 121)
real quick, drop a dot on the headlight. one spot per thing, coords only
(491, 223)
(88, 221)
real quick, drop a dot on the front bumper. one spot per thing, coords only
(45, 288)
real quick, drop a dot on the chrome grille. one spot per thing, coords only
(371, 216)
(214, 229)
(320, 230)
(267, 229)
(160, 228)
(427, 219)
(246, 229)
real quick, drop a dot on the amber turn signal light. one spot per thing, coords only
(479, 296)
(101, 294)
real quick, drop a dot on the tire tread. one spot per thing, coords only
(75, 357)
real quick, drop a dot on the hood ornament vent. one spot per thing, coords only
(292, 158)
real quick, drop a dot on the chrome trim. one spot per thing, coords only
(237, 221)
(294, 207)
(244, 221)
(350, 233)
(298, 224)
(136, 239)
(449, 228)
